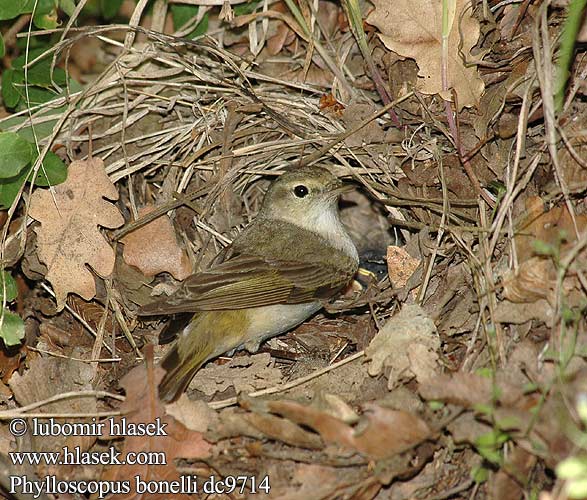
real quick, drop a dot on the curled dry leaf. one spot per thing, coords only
(407, 344)
(69, 238)
(153, 248)
(283, 36)
(381, 432)
(413, 28)
(284, 430)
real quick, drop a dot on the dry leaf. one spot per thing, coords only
(69, 238)
(573, 166)
(490, 104)
(47, 377)
(153, 248)
(246, 374)
(134, 287)
(469, 390)
(143, 406)
(380, 433)
(195, 415)
(451, 304)
(310, 481)
(408, 344)
(336, 406)
(9, 363)
(507, 483)
(281, 429)
(536, 275)
(400, 266)
(517, 313)
(413, 28)
(284, 36)
(372, 133)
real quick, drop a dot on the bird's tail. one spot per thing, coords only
(182, 361)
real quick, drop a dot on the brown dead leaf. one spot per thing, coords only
(336, 406)
(84, 57)
(54, 336)
(134, 287)
(284, 36)
(328, 17)
(143, 406)
(469, 390)
(9, 363)
(47, 377)
(6, 440)
(195, 415)
(545, 226)
(573, 161)
(329, 105)
(372, 133)
(507, 483)
(309, 481)
(533, 281)
(400, 266)
(407, 344)
(518, 313)
(246, 374)
(91, 312)
(69, 238)
(413, 28)
(536, 275)
(284, 430)
(153, 248)
(490, 104)
(451, 304)
(381, 432)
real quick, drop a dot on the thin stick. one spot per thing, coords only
(328, 146)
(59, 355)
(216, 405)
(6, 414)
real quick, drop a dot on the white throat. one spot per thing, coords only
(327, 224)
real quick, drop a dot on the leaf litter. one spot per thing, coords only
(453, 368)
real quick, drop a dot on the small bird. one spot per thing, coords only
(276, 273)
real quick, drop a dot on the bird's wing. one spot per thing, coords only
(245, 281)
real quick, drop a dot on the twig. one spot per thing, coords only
(22, 411)
(290, 385)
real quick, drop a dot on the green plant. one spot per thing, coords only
(11, 324)
(17, 159)
(567, 49)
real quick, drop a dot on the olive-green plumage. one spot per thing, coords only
(273, 276)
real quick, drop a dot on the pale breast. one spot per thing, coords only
(268, 321)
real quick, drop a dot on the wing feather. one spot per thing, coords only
(246, 281)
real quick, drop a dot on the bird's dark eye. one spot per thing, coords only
(300, 191)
